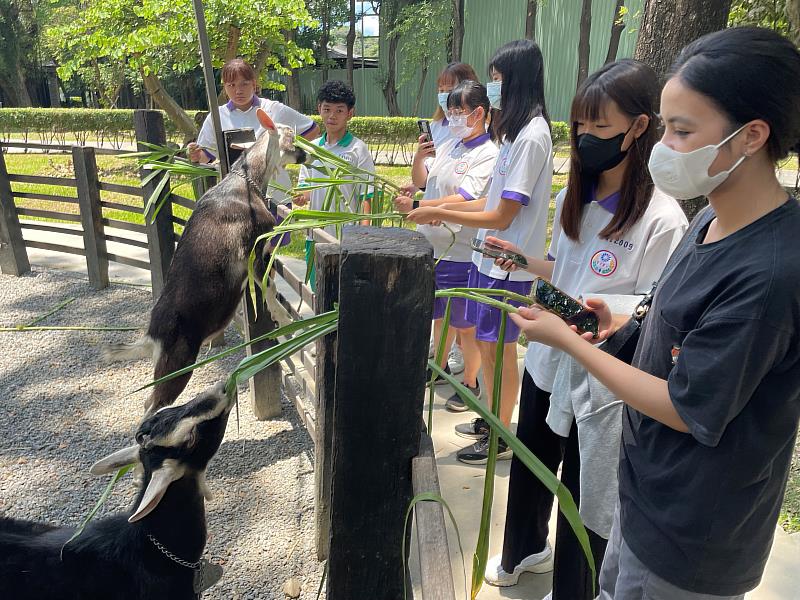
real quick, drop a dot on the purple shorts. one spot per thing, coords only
(286, 238)
(487, 318)
(450, 274)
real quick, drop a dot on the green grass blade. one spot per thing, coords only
(57, 308)
(439, 354)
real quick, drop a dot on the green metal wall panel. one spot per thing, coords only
(490, 24)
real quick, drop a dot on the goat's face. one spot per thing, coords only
(174, 442)
(275, 148)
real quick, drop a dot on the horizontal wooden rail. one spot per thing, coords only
(47, 197)
(118, 188)
(127, 241)
(178, 221)
(125, 207)
(48, 214)
(55, 247)
(183, 201)
(297, 284)
(60, 147)
(50, 228)
(138, 228)
(62, 181)
(131, 262)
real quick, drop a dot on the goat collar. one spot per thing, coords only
(252, 184)
(184, 563)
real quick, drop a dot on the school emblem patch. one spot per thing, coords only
(461, 167)
(603, 263)
(502, 164)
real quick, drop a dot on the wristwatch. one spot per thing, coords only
(414, 204)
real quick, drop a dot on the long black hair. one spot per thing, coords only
(749, 73)
(470, 94)
(522, 97)
(633, 87)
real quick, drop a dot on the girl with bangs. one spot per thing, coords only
(612, 234)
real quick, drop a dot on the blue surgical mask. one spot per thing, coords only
(493, 92)
(441, 98)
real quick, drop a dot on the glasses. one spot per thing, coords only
(458, 113)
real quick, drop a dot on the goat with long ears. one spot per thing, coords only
(151, 552)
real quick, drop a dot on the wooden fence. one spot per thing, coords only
(359, 394)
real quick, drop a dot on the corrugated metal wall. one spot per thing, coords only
(490, 24)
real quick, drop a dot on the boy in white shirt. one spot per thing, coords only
(336, 105)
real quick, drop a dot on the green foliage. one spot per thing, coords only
(424, 25)
(761, 13)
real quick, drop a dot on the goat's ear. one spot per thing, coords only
(264, 119)
(159, 482)
(116, 460)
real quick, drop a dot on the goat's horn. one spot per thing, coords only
(116, 460)
(159, 482)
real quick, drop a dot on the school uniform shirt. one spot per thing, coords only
(699, 508)
(630, 264)
(523, 173)
(232, 118)
(441, 132)
(355, 152)
(459, 168)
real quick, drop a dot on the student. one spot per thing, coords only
(460, 172)
(612, 234)
(514, 209)
(241, 86)
(336, 105)
(713, 396)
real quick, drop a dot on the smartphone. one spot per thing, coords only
(425, 129)
(497, 252)
(549, 297)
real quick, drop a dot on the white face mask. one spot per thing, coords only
(441, 98)
(458, 125)
(684, 175)
(493, 92)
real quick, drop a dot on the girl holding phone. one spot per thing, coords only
(612, 234)
(713, 395)
(459, 173)
(514, 209)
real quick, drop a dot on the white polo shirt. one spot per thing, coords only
(440, 132)
(523, 173)
(463, 168)
(593, 265)
(354, 151)
(232, 118)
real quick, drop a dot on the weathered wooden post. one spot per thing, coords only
(94, 242)
(326, 258)
(149, 126)
(13, 256)
(385, 305)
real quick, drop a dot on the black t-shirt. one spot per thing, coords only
(700, 509)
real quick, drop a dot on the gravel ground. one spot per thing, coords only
(62, 409)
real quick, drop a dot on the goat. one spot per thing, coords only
(207, 275)
(122, 557)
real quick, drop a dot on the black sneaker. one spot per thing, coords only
(439, 380)
(476, 429)
(456, 404)
(478, 453)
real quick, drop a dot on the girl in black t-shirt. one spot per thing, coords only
(713, 396)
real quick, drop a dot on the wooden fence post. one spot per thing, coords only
(94, 242)
(326, 258)
(385, 304)
(13, 255)
(149, 126)
(265, 386)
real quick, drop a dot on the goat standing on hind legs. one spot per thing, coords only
(151, 552)
(208, 272)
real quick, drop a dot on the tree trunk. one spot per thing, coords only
(261, 59)
(23, 98)
(324, 37)
(167, 103)
(583, 42)
(388, 14)
(422, 77)
(351, 39)
(293, 97)
(617, 25)
(530, 19)
(231, 51)
(666, 27)
(457, 43)
(793, 16)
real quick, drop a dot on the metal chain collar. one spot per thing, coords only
(184, 563)
(266, 199)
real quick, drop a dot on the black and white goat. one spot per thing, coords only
(209, 269)
(149, 553)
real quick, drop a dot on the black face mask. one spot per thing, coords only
(598, 155)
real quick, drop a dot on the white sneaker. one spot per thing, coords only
(541, 562)
(456, 360)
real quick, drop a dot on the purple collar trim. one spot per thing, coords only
(256, 101)
(475, 142)
(444, 121)
(609, 203)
